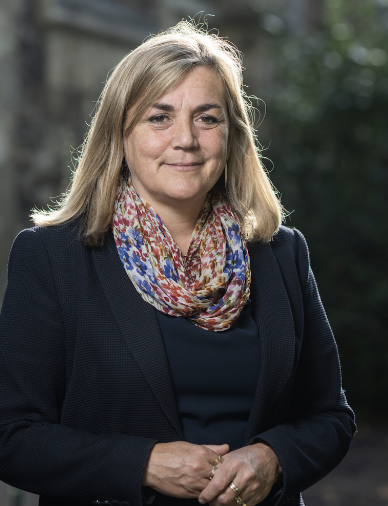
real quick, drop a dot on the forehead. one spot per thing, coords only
(200, 85)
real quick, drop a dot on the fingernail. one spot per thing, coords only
(201, 501)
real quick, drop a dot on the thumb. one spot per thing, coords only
(220, 449)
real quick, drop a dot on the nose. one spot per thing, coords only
(185, 134)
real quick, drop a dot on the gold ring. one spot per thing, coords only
(239, 501)
(235, 489)
(213, 471)
(218, 460)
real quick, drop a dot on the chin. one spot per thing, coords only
(186, 192)
(182, 196)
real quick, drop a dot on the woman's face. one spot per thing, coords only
(177, 151)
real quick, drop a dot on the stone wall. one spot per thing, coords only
(10, 90)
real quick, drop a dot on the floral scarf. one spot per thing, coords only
(210, 285)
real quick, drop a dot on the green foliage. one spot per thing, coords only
(328, 118)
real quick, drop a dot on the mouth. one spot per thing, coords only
(184, 166)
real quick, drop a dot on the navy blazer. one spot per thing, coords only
(85, 386)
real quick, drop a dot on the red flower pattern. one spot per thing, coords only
(209, 286)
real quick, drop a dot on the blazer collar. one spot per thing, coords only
(138, 323)
(273, 315)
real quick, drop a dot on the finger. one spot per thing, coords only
(218, 485)
(228, 497)
(220, 449)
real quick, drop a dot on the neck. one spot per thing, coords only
(179, 217)
(180, 224)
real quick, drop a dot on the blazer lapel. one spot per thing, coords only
(273, 315)
(139, 325)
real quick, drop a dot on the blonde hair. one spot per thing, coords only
(144, 75)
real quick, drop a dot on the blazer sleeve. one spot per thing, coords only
(321, 425)
(37, 453)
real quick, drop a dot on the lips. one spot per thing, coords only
(184, 164)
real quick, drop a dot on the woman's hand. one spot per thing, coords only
(181, 469)
(253, 469)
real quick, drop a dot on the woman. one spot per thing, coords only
(148, 356)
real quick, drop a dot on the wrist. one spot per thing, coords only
(273, 459)
(148, 475)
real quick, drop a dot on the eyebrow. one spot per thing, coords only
(199, 108)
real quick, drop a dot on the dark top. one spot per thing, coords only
(85, 384)
(215, 376)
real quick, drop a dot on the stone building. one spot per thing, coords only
(55, 56)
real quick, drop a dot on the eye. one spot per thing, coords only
(159, 119)
(208, 120)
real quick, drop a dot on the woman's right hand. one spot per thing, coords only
(181, 469)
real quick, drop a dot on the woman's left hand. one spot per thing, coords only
(253, 469)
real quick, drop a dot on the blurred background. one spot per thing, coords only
(320, 71)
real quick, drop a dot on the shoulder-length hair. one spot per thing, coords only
(144, 75)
